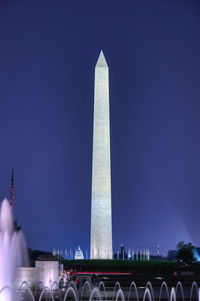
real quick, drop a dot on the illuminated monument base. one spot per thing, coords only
(46, 270)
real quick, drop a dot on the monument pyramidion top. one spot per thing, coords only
(101, 62)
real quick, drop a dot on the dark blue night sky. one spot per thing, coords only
(47, 57)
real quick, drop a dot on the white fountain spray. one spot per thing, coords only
(13, 251)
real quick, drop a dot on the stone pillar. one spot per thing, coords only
(47, 270)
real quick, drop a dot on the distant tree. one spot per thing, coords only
(189, 245)
(185, 252)
(180, 245)
(185, 255)
(172, 254)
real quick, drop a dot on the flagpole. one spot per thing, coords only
(12, 189)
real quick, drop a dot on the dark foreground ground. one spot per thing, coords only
(126, 271)
(108, 277)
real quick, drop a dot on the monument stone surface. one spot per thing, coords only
(101, 211)
(46, 270)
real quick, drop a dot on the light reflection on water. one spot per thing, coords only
(90, 292)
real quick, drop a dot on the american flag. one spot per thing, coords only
(11, 190)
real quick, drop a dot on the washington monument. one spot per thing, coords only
(101, 211)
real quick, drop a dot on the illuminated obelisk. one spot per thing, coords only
(101, 211)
